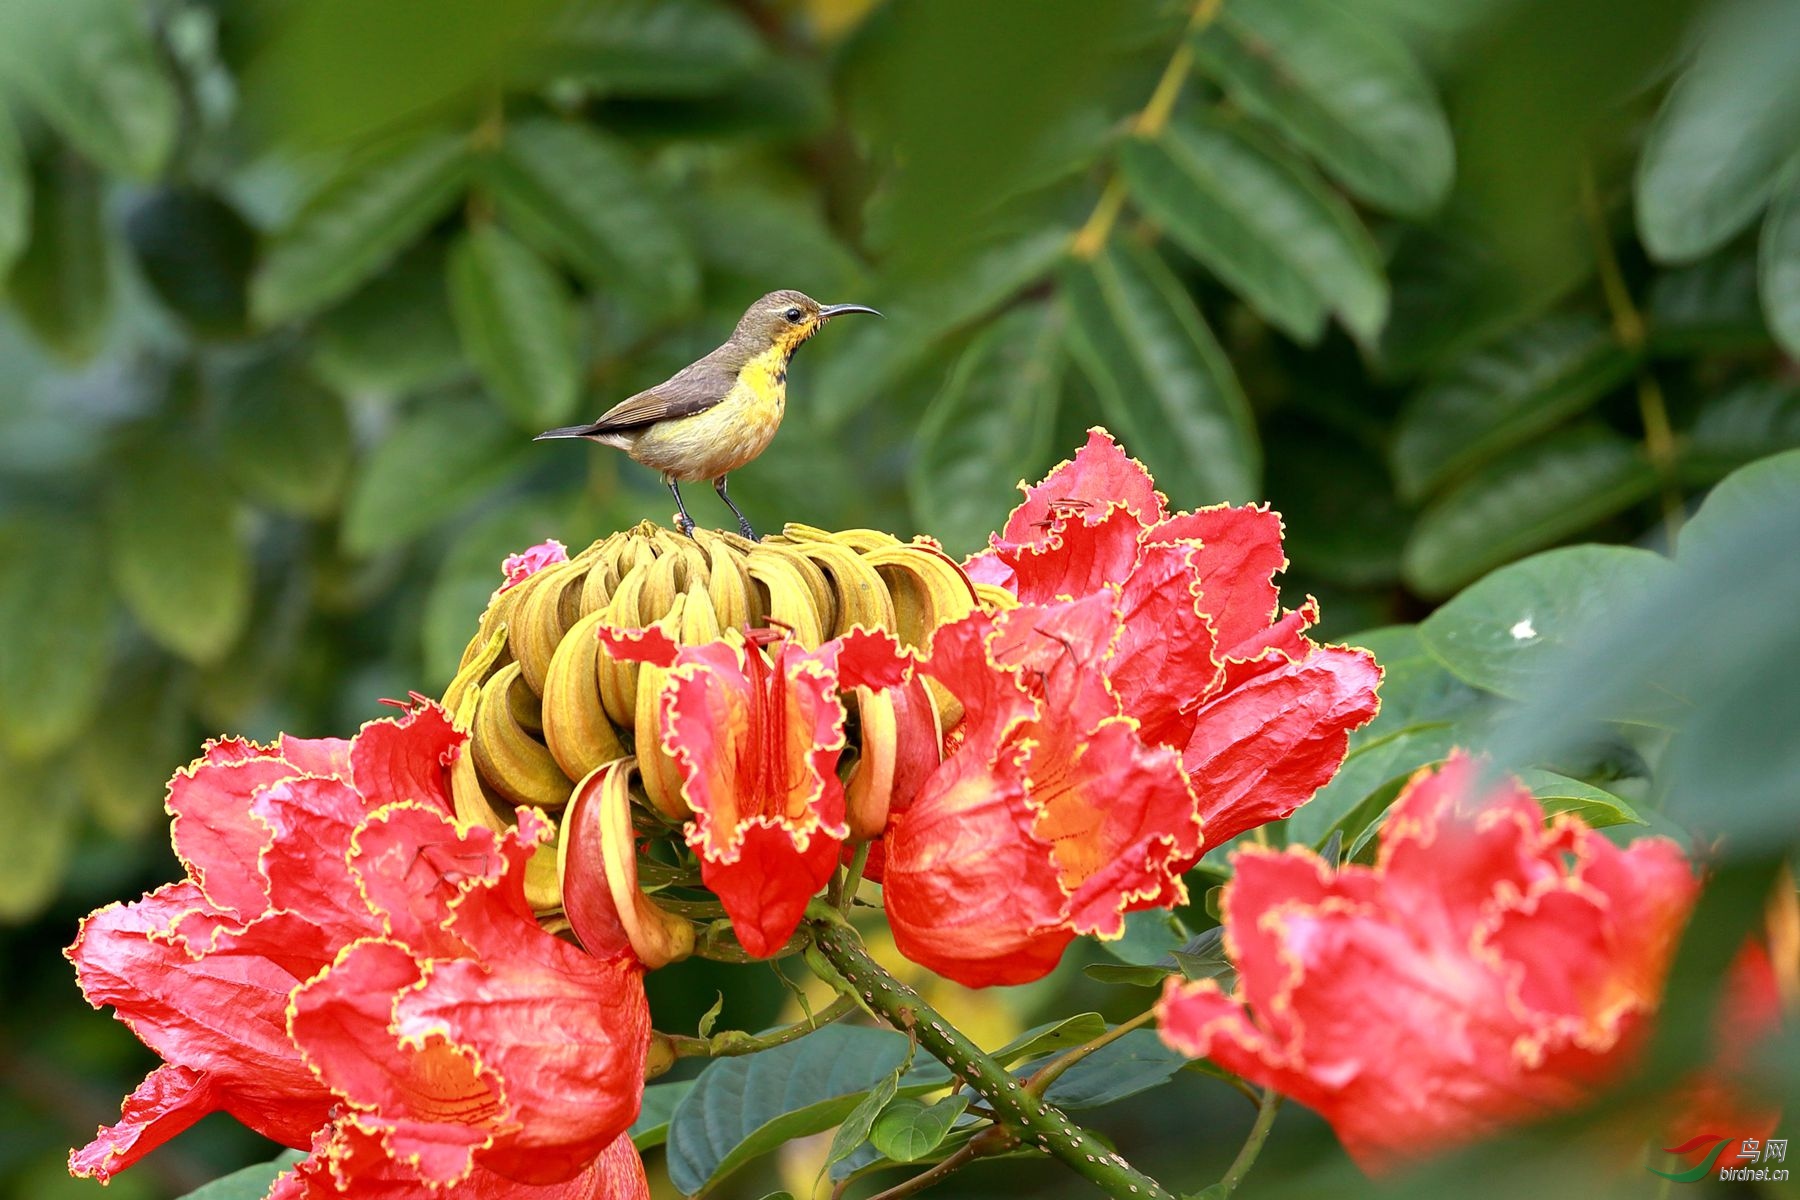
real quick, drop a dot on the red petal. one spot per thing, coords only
(406, 758)
(767, 882)
(522, 566)
(216, 836)
(1100, 474)
(168, 1101)
(1261, 751)
(316, 756)
(1239, 555)
(1164, 660)
(1077, 557)
(866, 658)
(649, 645)
(413, 866)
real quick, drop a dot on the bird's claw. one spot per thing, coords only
(744, 528)
(685, 524)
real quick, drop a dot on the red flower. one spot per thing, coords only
(528, 562)
(1485, 971)
(1147, 701)
(347, 968)
(756, 737)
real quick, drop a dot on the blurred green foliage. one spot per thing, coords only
(290, 284)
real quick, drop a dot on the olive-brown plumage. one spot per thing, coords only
(716, 414)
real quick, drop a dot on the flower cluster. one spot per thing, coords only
(348, 969)
(1488, 969)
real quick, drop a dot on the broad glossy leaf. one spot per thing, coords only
(1149, 936)
(1758, 417)
(437, 458)
(1505, 393)
(250, 1183)
(57, 611)
(91, 68)
(394, 335)
(1512, 630)
(177, 555)
(1135, 1063)
(368, 214)
(1342, 522)
(517, 324)
(860, 363)
(909, 1129)
(1165, 385)
(660, 1101)
(1425, 712)
(1595, 805)
(648, 47)
(578, 194)
(1533, 497)
(1056, 1035)
(1708, 306)
(1778, 263)
(740, 1108)
(1729, 125)
(1342, 88)
(989, 428)
(755, 235)
(196, 253)
(1263, 222)
(62, 283)
(15, 196)
(286, 436)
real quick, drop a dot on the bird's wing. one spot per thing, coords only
(693, 389)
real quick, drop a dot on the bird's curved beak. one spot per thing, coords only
(835, 310)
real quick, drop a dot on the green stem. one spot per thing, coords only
(734, 1042)
(964, 1155)
(1259, 1133)
(1044, 1076)
(1023, 1115)
(853, 878)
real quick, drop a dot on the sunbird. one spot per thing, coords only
(716, 414)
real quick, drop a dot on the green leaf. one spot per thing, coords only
(756, 234)
(1778, 267)
(517, 324)
(1560, 794)
(988, 429)
(195, 253)
(90, 68)
(1343, 89)
(1425, 712)
(358, 223)
(909, 1129)
(177, 557)
(1763, 494)
(440, 456)
(57, 614)
(1730, 123)
(1164, 384)
(1511, 631)
(62, 283)
(1758, 417)
(395, 335)
(15, 195)
(1056, 1035)
(1707, 306)
(124, 768)
(1533, 497)
(1263, 222)
(1135, 1063)
(286, 437)
(710, 1016)
(251, 1183)
(660, 1101)
(743, 1107)
(38, 806)
(1149, 936)
(861, 364)
(577, 194)
(853, 1134)
(648, 47)
(1527, 382)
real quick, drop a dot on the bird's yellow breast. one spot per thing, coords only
(727, 435)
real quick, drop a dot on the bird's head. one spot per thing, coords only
(784, 319)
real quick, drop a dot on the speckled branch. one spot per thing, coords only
(1033, 1121)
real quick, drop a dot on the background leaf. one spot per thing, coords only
(15, 196)
(62, 283)
(1164, 384)
(286, 437)
(1779, 267)
(55, 605)
(513, 314)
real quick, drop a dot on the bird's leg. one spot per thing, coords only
(683, 522)
(743, 521)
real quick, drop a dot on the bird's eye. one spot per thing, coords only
(793, 315)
